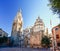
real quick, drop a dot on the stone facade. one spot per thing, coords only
(37, 33)
(46, 32)
(34, 34)
(17, 24)
(27, 33)
(16, 33)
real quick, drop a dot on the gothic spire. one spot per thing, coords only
(19, 15)
(20, 10)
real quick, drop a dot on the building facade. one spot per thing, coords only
(34, 34)
(3, 33)
(27, 33)
(37, 33)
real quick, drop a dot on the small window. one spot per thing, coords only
(57, 36)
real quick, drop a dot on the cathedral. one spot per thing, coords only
(29, 37)
(17, 28)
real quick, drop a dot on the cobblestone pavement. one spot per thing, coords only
(24, 49)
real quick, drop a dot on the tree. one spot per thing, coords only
(45, 41)
(3, 40)
(58, 25)
(55, 6)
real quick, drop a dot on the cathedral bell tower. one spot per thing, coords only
(17, 27)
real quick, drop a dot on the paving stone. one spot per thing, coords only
(24, 49)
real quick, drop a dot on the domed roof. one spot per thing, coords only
(38, 21)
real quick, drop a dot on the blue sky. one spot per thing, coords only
(31, 9)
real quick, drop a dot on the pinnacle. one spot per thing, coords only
(20, 10)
